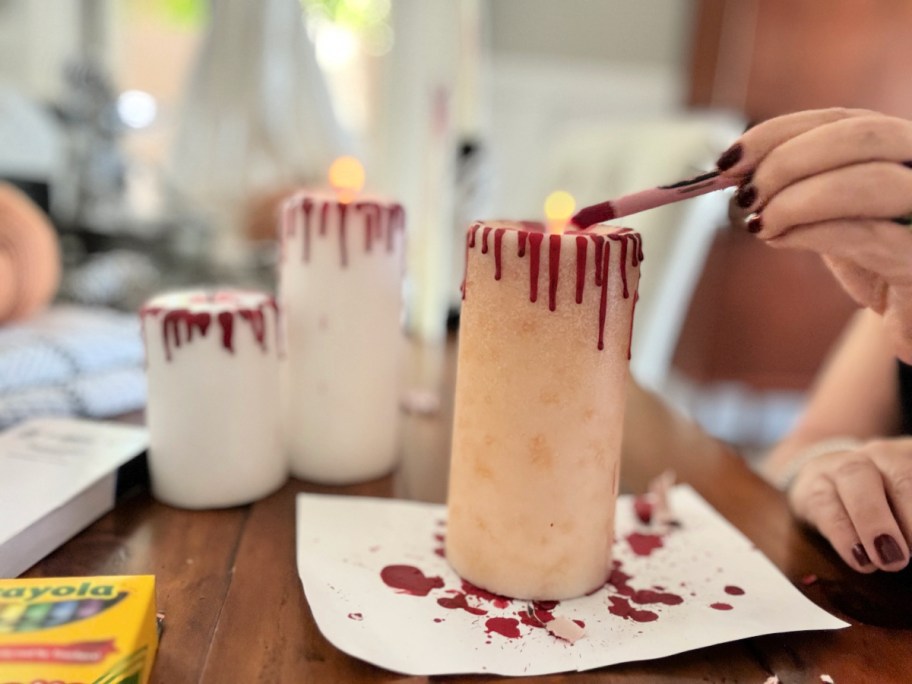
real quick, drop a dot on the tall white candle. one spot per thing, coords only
(340, 281)
(543, 347)
(213, 408)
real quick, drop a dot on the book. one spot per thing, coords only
(57, 476)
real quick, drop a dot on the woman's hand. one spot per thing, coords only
(837, 182)
(861, 501)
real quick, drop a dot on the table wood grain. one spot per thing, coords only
(235, 611)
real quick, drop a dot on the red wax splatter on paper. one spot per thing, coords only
(408, 579)
(506, 627)
(458, 601)
(622, 608)
(733, 590)
(620, 580)
(720, 606)
(357, 617)
(485, 595)
(644, 544)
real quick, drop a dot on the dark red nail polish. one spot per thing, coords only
(730, 157)
(746, 196)
(754, 224)
(907, 164)
(887, 549)
(861, 556)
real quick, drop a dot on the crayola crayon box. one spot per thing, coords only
(77, 630)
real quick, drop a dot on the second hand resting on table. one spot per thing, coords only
(838, 182)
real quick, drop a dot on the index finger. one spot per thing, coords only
(742, 157)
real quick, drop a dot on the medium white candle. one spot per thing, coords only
(213, 408)
(540, 392)
(340, 282)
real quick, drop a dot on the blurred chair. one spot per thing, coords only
(595, 162)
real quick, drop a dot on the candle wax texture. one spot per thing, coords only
(212, 362)
(340, 286)
(540, 393)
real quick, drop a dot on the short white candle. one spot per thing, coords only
(213, 408)
(540, 393)
(340, 286)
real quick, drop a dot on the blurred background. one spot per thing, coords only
(156, 137)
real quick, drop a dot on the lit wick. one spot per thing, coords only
(559, 206)
(346, 176)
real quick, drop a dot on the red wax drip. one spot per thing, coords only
(307, 209)
(554, 248)
(484, 239)
(458, 602)
(624, 267)
(408, 579)
(343, 242)
(256, 320)
(622, 608)
(720, 606)
(498, 252)
(582, 245)
(636, 298)
(599, 246)
(535, 240)
(733, 590)
(644, 544)
(371, 213)
(470, 242)
(602, 270)
(324, 218)
(171, 327)
(226, 322)
(396, 221)
(506, 627)
(522, 244)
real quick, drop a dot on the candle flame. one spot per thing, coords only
(559, 206)
(346, 176)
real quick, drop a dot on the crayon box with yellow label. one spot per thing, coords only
(77, 630)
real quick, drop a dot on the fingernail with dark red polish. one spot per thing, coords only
(907, 163)
(861, 556)
(746, 196)
(754, 224)
(887, 549)
(730, 157)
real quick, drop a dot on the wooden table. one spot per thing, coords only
(236, 613)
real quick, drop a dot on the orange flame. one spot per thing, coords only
(559, 206)
(346, 176)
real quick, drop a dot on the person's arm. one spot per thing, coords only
(845, 474)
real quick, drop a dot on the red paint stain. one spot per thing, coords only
(643, 544)
(407, 579)
(355, 616)
(733, 590)
(458, 602)
(720, 606)
(506, 627)
(620, 580)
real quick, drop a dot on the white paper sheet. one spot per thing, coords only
(712, 586)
